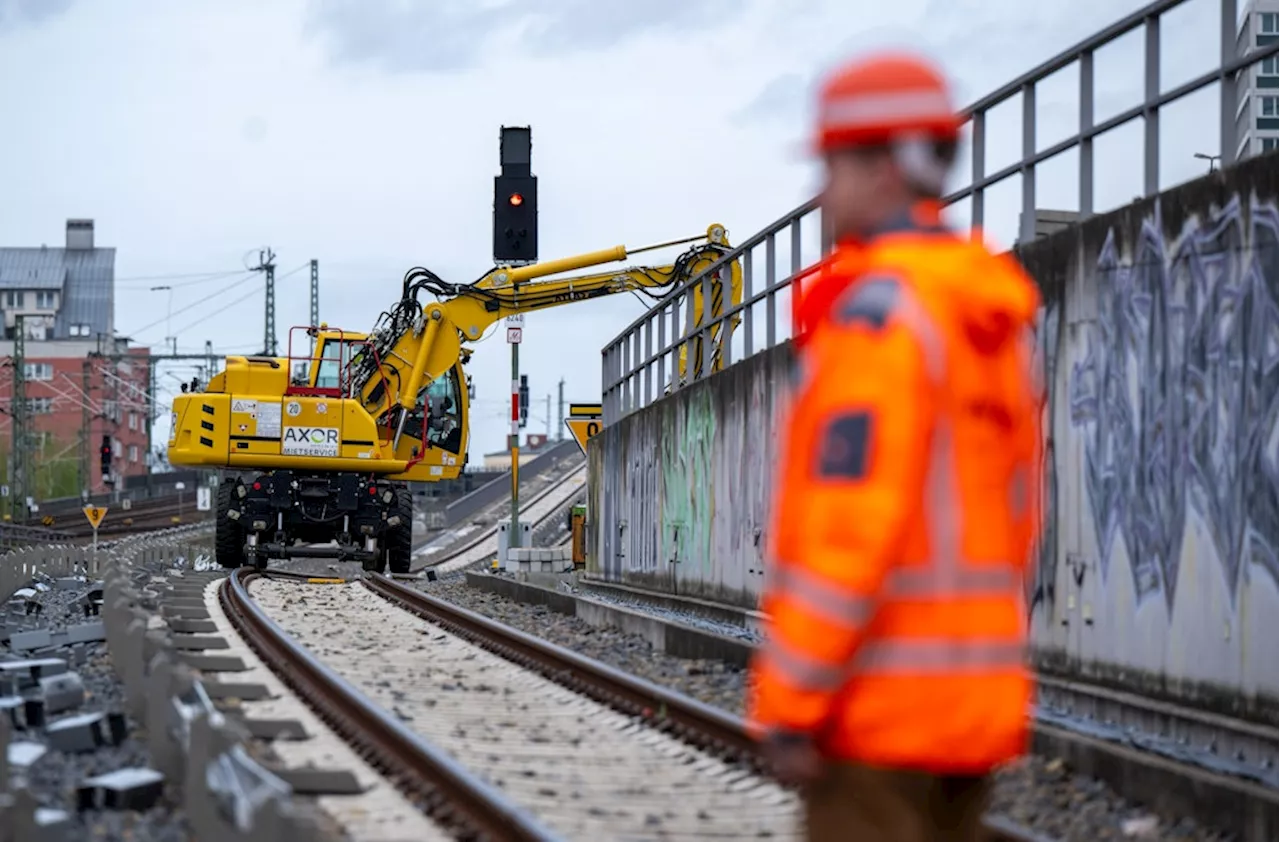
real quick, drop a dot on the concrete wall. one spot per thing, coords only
(1158, 342)
(678, 493)
(1157, 569)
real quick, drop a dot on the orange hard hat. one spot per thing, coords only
(877, 97)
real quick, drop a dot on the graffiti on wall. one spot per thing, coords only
(688, 493)
(1176, 396)
(1045, 559)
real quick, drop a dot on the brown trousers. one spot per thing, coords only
(856, 803)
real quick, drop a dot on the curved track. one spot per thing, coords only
(447, 792)
(499, 734)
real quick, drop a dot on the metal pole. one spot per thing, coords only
(95, 539)
(560, 416)
(19, 459)
(315, 300)
(514, 541)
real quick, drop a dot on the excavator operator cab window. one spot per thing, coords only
(441, 405)
(335, 357)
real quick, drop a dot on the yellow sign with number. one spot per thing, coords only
(583, 429)
(95, 514)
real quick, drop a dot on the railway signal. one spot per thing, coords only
(106, 458)
(515, 199)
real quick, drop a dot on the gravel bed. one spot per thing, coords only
(55, 776)
(1042, 794)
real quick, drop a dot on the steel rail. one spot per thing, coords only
(488, 532)
(446, 791)
(716, 731)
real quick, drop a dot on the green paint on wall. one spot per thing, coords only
(688, 490)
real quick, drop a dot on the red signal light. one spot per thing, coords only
(516, 200)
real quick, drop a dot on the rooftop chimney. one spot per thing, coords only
(79, 233)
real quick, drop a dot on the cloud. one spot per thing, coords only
(453, 35)
(16, 14)
(782, 99)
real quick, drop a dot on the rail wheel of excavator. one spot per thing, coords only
(228, 541)
(399, 540)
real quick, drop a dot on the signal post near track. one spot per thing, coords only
(515, 243)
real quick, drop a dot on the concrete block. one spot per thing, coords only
(28, 671)
(136, 789)
(87, 632)
(28, 640)
(22, 754)
(87, 731)
(198, 642)
(193, 626)
(62, 692)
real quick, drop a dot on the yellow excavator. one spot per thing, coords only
(322, 456)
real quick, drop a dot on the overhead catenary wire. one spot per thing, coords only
(249, 276)
(183, 280)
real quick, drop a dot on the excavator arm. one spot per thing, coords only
(416, 343)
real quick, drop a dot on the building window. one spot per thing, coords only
(13, 298)
(79, 330)
(1266, 124)
(133, 453)
(133, 420)
(38, 371)
(1267, 144)
(1269, 23)
(39, 406)
(46, 299)
(116, 449)
(1267, 106)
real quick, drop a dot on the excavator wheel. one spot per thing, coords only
(228, 543)
(399, 541)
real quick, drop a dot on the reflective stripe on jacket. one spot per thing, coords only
(904, 517)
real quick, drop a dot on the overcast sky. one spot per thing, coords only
(364, 134)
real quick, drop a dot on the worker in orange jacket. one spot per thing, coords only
(893, 679)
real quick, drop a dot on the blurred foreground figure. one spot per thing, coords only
(894, 679)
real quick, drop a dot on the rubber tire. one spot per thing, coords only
(228, 542)
(399, 541)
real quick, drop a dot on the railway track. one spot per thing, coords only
(144, 516)
(501, 735)
(478, 547)
(497, 734)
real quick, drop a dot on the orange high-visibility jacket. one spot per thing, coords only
(906, 513)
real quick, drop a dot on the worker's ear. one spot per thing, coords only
(923, 168)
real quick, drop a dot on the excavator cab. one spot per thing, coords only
(434, 441)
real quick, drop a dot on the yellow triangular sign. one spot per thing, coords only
(95, 514)
(583, 429)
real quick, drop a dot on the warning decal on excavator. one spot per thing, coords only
(309, 441)
(244, 406)
(583, 429)
(95, 514)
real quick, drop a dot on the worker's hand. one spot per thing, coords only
(793, 759)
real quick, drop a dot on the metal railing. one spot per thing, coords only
(636, 362)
